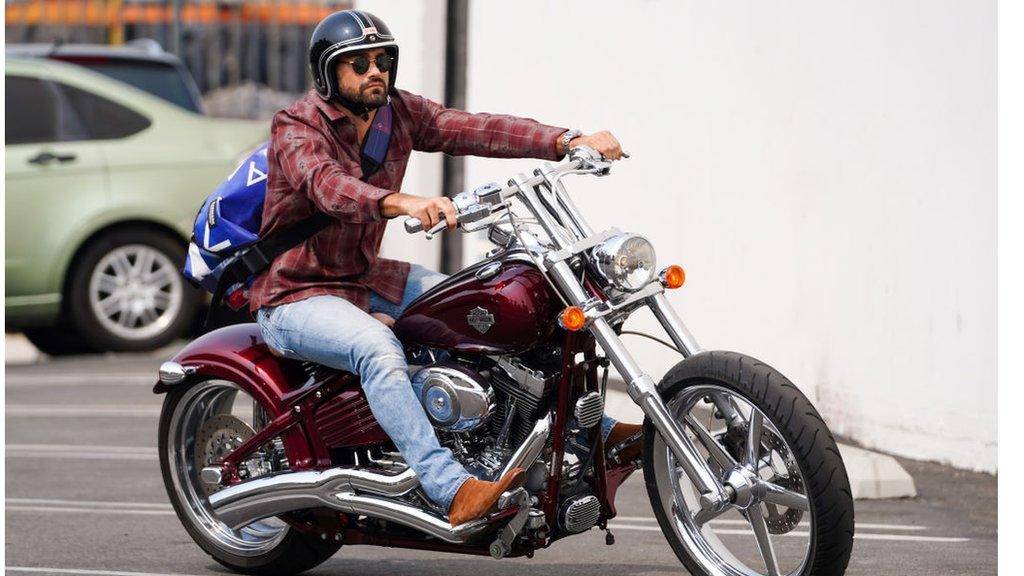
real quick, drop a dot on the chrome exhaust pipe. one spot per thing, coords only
(530, 449)
(406, 515)
(247, 502)
(355, 491)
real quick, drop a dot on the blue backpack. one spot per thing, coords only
(226, 252)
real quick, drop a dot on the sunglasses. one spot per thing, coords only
(361, 64)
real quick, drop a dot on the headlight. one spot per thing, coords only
(626, 260)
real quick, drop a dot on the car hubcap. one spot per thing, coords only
(135, 292)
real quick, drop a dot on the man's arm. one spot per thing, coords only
(305, 159)
(461, 133)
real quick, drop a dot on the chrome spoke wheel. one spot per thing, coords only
(765, 530)
(210, 420)
(135, 291)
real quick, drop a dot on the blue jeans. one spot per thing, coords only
(334, 332)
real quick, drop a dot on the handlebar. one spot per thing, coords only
(489, 198)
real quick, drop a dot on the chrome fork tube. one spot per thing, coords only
(644, 392)
(688, 346)
(673, 325)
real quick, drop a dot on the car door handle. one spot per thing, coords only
(44, 158)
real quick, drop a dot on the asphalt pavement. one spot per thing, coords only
(84, 496)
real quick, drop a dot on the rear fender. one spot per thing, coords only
(237, 353)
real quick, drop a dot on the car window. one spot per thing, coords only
(31, 111)
(96, 118)
(161, 80)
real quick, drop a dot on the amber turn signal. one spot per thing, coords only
(573, 318)
(673, 276)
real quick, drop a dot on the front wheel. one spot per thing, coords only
(792, 509)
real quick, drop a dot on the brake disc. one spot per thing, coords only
(781, 520)
(218, 437)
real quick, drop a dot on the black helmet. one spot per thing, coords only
(341, 32)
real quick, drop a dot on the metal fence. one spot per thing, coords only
(223, 44)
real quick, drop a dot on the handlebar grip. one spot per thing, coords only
(413, 225)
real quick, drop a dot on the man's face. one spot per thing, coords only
(370, 88)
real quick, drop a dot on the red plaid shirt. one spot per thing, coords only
(314, 164)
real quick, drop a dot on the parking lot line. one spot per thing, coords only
(56, 411)
(37, 570)
(865, 525)
(80, 452)
(802, 534)
(63, 379)
(95, 503)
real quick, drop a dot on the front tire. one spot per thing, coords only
(268, 547)
(792, 437)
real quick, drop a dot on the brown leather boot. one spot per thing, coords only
(477, 498)
(619, 433)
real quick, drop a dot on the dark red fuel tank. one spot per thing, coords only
(499, 306)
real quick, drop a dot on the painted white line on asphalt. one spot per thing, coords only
(63, 379)
(865, 525)
(78, 456)
(55, 411)
(69, 510)
(858, 536)
(80, 503)
(82, 448)
(80, 452)
(37, 570)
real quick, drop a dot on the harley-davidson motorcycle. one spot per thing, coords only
(273, 464)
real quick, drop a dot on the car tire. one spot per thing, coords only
(59, 340)
(126, 292)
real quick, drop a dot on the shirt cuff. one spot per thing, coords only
(546, 142)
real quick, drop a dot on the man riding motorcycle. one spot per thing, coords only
(331, 299)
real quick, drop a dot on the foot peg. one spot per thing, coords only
(503, 544)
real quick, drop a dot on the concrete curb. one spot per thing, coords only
(872, 475)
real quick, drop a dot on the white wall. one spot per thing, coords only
(825, 172)
(419, 27)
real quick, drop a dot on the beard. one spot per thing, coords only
(371, 94)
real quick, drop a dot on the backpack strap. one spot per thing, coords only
(376, 142)
(254, 259)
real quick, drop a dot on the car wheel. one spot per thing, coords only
(57, 340)
(127, 293)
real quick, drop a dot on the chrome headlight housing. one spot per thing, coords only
(626, 261)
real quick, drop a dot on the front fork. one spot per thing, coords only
(642, 389)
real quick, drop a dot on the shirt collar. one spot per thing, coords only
(330, 109)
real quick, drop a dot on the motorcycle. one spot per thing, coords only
(273, 464)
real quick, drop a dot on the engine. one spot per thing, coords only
(482, 413)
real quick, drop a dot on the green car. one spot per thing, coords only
(103, 182)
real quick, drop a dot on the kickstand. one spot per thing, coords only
(503, 544)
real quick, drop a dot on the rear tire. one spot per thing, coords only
(804, 434)
(126, 292)
(293, 553)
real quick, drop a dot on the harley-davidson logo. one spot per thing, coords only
(480, 319)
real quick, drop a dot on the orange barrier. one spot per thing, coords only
(101, 13)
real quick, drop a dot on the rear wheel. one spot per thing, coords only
(126, 292)
(199, 425)
(793, 510)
